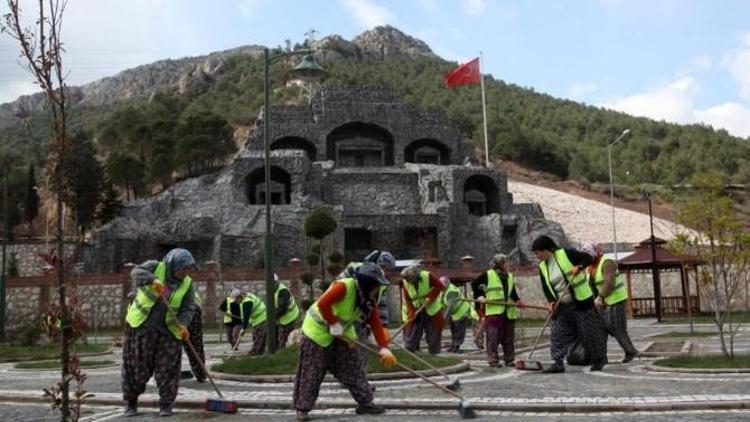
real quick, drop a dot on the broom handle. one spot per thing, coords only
(422, 361)
(192, 349)
(493, 302)
(409, 321)
(407, 369)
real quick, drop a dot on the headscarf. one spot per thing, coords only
(178, 259)
(498, 260)
(410, 274)
(592, 249)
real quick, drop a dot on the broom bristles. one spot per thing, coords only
(226, 406)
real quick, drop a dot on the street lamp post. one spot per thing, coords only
(611, 187)
(5, 242)
(654, 270)
(308, 70)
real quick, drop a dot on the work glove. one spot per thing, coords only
(158, 287)
(184, 333)
(336, 329)
(481, 299)
(599, 302)
(387, 358)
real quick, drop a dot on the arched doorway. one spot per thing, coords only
(298, 143)
(427, 151)
(358, 144)
(281, 186)
(481, 195)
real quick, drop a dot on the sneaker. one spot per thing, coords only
(131, 408)
(369, 409)
(597, 366)
(165, 410)
(302, 415)
(629, 357)
(556, 368)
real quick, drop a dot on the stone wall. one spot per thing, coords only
(27, 255)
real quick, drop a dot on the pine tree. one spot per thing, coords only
(31, 200)
(111, 204)
(84, 176)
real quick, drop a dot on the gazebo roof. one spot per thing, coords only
(642, 257)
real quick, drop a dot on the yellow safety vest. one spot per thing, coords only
(258, 314)
(315, 327)
(140, 308)
(495, 293)
(292, 311)
(419, 296)
(581, 288)
(460, 311)
(618, 293)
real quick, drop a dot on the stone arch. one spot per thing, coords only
(296, 142)
(481, 195)
(359, 144)
(427, 151)
(281, 186)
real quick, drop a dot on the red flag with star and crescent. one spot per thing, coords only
(467, 73)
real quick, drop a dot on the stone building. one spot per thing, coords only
(396, 177)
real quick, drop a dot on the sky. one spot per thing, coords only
(682, 61)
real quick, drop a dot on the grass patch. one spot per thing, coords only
(56, 364)
(706, 319)
(697, 334)
(284, 362)
(711, 362)
(47, 351)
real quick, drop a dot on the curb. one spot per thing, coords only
(443, 405)
(461, 367)
(657, 368)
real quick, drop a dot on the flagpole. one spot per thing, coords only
(484, 114)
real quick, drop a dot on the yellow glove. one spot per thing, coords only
(158, 287)
(184, 333)
(387, 358)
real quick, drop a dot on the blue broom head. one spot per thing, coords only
(225, 406)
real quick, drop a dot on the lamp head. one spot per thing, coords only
(308, 70)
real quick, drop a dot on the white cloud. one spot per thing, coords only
(674, 103)
(368, 14)
(14, 89)
(474, 7)
(579, 90)
(739, 66)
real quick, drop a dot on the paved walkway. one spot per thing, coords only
(621, 392)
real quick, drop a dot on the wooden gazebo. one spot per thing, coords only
(642, 261)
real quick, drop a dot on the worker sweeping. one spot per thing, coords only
(498, 285)
(561, 270)
(327, 330)
(611, 297)
(420, 287)
(152, 336)
(457, 312)
(253, 313)
(287, 312)
(230, 308)
(385, 261)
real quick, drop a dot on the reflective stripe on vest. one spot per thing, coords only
(495, 293)
(315, 327)
(618, 293)
(419, 295)
(258, 313)
(140, 308)
(292, 311)
(459, 311)
(581, 288)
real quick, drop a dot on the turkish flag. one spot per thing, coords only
(467, 73)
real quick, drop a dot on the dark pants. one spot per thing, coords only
(458, 333)
(259, 340)
(616, 324)
(500, 330)
(233, 333)
(282, 334)
(571, 323)
(196, 338)
(479, 333)
(338, 358)
(423, 324)
(148, 352)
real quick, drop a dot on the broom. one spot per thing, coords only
(217, 405)
(464, 408)
(535, 365)
(454, 384)
(401, 328)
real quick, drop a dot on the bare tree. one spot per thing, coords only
(41, 52)
(722, 245)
